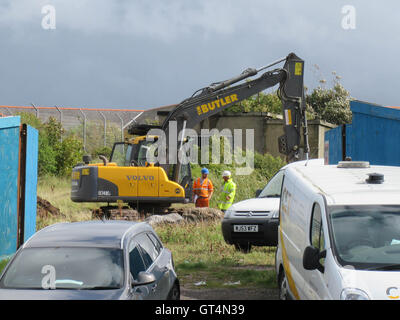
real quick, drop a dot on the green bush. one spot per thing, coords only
(267, 165)
(105, 151)
(331, 105)
(68, 153)
(57, 154)
(262, 102)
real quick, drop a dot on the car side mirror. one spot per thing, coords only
(144, 278)
(311, 259)
(258, 192)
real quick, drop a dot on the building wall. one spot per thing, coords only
(267, 129)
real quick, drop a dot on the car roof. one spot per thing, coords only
(346, 186)
(96, 233)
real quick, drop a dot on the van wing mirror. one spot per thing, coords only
(258, 192)
(311, 259)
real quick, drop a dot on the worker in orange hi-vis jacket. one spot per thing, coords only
(202, 190)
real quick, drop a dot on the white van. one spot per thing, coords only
(339, 232)
(255, 221)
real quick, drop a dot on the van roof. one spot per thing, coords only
(345, 186)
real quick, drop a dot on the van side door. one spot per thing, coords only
(291, 235)
(315, 280)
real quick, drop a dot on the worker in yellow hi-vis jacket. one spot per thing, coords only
(227, 193)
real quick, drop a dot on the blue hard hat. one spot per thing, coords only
(204, 170)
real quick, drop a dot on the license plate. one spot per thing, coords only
(245, 228)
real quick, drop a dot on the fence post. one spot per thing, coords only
(122, 127)
(60, 120)
(105, 128)
(37, 110)
(84, 130)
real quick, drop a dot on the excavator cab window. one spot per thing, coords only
(121, 154)
(147, 153)
(185, 179)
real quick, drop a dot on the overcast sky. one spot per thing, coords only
(149, 53)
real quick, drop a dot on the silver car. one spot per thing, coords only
(92, 260)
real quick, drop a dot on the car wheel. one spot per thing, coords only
(175, 293)
(283, 286)
(243, 247)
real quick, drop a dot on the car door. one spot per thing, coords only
(315, 285)
(165, 264)
(151, 256)
(136, 265)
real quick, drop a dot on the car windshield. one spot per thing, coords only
(65, 268)
(367, 237)
(274, 186)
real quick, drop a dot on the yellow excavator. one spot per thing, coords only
(129, 177)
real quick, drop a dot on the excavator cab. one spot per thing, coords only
(140, 153)
(133, 153)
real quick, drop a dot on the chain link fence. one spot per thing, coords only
(80, 120)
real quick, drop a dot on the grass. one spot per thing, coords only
(58, 192)
(201, 254)
(3, 263)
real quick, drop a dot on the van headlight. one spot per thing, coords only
(275, 214)
(353, 294)
(228, 214)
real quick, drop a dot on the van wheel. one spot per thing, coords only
(243, 247)
(283, 286)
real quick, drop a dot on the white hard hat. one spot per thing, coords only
(226, 173)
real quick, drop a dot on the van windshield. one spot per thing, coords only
(274, 186)
(367, 237)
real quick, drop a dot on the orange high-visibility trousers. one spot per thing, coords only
(202, 202)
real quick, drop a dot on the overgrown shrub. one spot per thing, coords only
(57, 153)
(262, 102)
(105, 151)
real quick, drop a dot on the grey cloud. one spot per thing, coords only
(144, 53)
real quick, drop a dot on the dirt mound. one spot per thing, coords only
(171, 218)
(45, 208)
(123, 213)
(170, 215)
(200, 214)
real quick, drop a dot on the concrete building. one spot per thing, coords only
(267, 128)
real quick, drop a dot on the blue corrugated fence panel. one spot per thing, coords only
(31, 182)
(374, 110)
(349, 139)
(334, 138)
(375, 134)
(10, 122)
(9, 162)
